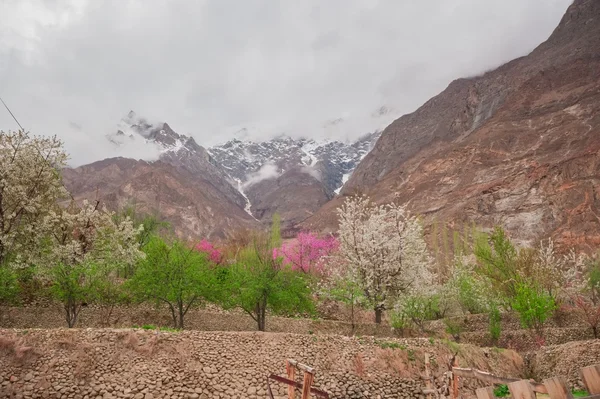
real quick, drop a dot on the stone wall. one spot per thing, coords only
(564, 360)
(510, 322)
(126, 363)
(197, 319)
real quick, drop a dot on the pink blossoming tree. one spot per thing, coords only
(213, 253)
(307, 253)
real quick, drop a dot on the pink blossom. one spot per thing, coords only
(214, 254)
(307, 252)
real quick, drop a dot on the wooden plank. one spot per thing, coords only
(558, 388)
(485, 393)
(521, 390)
(283, 380)
(301, 366)
(494, 379)
(291, 375)
(591, 379)
(308, 380)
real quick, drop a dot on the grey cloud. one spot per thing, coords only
(211, 67)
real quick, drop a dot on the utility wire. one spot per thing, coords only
(11, 114)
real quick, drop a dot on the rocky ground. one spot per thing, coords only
(128, 363)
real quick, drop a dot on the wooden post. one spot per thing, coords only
(308, 380)
(291, 374)
(591, 379)
(521, 390)
(485, 393)
(454, 379)
(557, 388)
(427, 376)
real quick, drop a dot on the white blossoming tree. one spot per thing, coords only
(85, 246)
(30, 186)
(384, 248)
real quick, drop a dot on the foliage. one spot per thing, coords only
(497, 262)
(149, 225)
(454, 327)
(417, 309)
(85, 244)
(307, 252)
(339, 284)
(175, 275)
(471, 291)
(583, 293)
(384, 248)
(390, 345)
(8, 285)
(580, 393)
(153, 327)
(495, 323)
(501, 391)
(533, 305)
(256, 281)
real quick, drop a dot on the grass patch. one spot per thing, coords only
(390, 345)
(580, 393)
(151, 327)
(453, 346)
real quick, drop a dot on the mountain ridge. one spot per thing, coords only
(475, 152)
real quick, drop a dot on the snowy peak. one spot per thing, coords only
(333, 159)
(133, 128)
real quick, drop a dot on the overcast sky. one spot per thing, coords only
(210, 67)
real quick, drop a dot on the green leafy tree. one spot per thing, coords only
(257, 282)
(497, 258)
(175, 275)
(339, 284)
(533, 305)
(495, 323)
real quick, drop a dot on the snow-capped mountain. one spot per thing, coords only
(292, 177)
(333, 161)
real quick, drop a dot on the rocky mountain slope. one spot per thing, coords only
(239, 184)
(193, 205)
(518, 146)
(293, 177)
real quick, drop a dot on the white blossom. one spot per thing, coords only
(384, 248)
(30, 186)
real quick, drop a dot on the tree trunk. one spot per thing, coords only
(72, 309)
(378, 313)
(261, 310)
(352, 316)
(173, 315)
(181, 314)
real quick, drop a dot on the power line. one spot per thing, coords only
(11, 114)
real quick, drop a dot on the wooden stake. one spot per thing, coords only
(291, 374)
(454, 380)
(485, 393)
(308, 380)
(521, 390)
(591, 379)
(427, 375)
(557, 388)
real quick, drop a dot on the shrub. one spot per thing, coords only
(495, 325)
(416, 310)
(501, 391)
(533, 306)
(454, 327)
